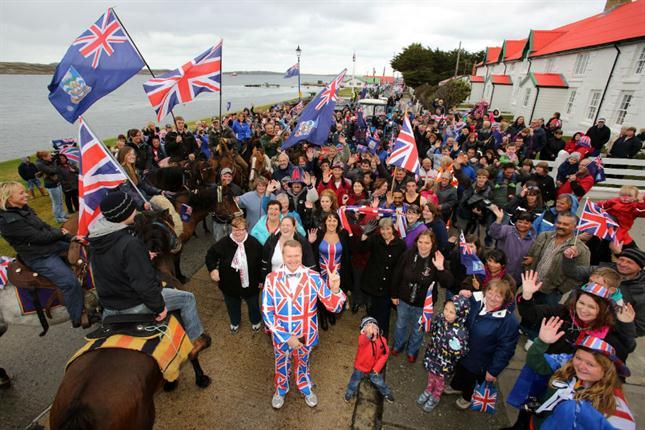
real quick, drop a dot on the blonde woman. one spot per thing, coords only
(127, 158)
(39, 245)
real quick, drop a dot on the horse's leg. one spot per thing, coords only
(205, 225)
(202, 380)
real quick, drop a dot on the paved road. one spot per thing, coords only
(36, 364)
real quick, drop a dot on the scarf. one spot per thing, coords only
(239, 262)
(489, 276)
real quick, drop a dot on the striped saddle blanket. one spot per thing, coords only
(167, 344)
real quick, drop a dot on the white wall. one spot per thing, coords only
(502, 98)
(550, 100)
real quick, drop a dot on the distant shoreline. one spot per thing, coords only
(20, 68)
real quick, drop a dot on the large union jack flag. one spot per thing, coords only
(404, 154)
(182, 85)
(329, 94)
(428, 309)
(596, 221)
(99, 173)
(99, 38)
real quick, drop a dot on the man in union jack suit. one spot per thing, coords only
(289, 309)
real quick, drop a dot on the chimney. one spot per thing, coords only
(613, 3)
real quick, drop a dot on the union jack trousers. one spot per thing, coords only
(294, 313)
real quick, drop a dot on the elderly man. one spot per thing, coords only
(283, 169)
(289, 309)
(599, 135)
(578, 183)
(626, 146)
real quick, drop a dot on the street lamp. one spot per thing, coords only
(298, 52)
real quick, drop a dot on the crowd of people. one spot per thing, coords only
(335, 229)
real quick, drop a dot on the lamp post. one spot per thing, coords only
(298, 52)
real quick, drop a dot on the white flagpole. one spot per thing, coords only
(113, 159)
(579, 219)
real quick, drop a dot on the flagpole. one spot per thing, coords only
(136, 48)
(221, 82)
(575, 240)
(113, 159)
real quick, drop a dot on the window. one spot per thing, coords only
(640, 62)
(594, 101)
(572, 97)
(625, 102)
(549, 65)
(527, 97)
(581, 64)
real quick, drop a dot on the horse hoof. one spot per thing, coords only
(203, 381)
(170, 386)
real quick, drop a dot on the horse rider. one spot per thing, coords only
(180, 143)
(125, 279)
(40, 246)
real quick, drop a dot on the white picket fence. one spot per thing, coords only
(616, 169)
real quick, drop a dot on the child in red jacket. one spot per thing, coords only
(370, 359)
(628, 206)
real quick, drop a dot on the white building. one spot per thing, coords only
(585, 70)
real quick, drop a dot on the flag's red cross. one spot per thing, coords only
(484, 401)
(329, 94)
(100, 39)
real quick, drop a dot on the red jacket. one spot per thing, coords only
(371, 354)
(625, 214)
(581, 187)
(345, 187)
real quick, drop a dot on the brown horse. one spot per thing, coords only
(111, 389)
(259, 164)
(224, 157)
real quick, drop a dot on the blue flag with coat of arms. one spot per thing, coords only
(99, 61)
(317, 117)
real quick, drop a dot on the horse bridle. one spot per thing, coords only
(166, 227)
(220, 200)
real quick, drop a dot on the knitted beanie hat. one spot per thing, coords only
(117, 206)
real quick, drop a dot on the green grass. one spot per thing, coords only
(42, 205)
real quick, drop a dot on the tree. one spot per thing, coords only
(420, 65)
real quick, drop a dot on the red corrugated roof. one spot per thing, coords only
(513, 49)
(492, 54)
(624, 22)
(477, 79)
(553, 80)
(501, 80)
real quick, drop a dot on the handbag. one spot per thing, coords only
(484, 398)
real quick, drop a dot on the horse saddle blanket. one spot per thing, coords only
(167, 344)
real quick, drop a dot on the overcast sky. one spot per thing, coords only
(263, 35)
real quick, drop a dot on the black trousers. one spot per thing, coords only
(71, 201)
(464, 380)
(380, 307)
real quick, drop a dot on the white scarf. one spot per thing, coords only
(239, 262)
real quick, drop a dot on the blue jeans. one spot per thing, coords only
(33, 183)
(375, 378)
(53, 268)
(183, 301)
(407, 328)
(56, 197)
(234, 308)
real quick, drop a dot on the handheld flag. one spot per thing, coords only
(4, 267)
(344, 222)
(597, 170)
(317, 117)
(426, 317)
(73, 153)
(469, 258)
(292, 71)
(401, 224)
(99, 173)
(596, 221)
(182, 85)
(58, 144)
(99, 61)
(185, 212)
(404, 154)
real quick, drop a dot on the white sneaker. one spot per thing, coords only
(234, 329)
(462, 404)
(311, 400)
(277, 401)
(256, 327)
(528, 345)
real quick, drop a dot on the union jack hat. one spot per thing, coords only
(297, 175)
(596, 290)
(597, 345)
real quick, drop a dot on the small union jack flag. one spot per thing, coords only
(99, 173)
(469, 258)
(4, 267)
(596, 221)
(99, 38)
(404, 154)
(72, 153)
(484, 398)
(428, 309)
(182, 85)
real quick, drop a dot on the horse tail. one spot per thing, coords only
(78, 416)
